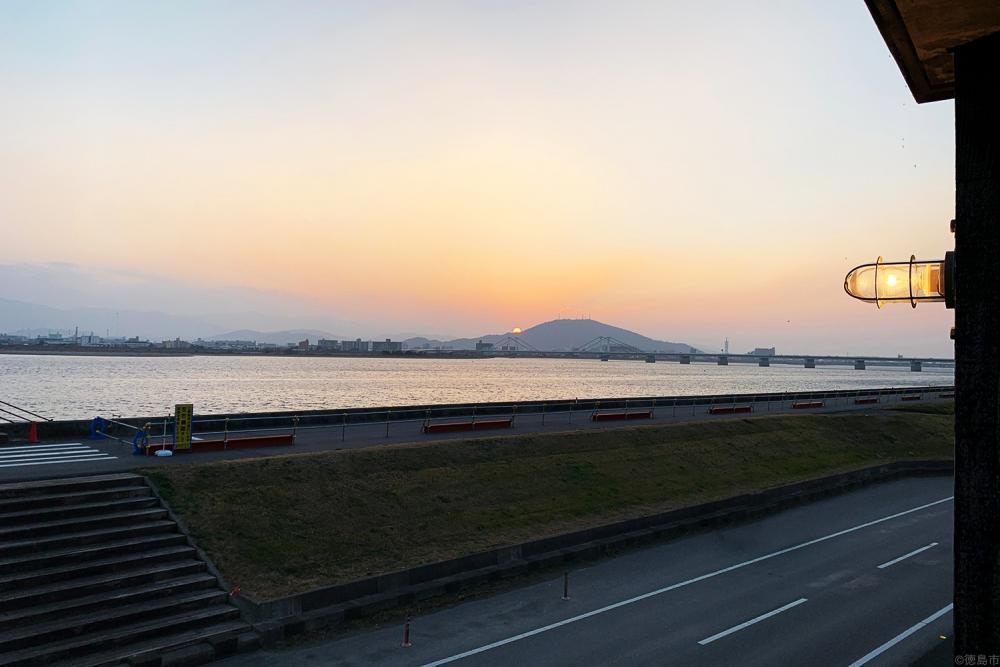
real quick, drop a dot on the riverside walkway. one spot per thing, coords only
(76, 455)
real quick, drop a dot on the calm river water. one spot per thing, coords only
(68, 387)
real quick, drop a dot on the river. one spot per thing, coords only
(80, 387)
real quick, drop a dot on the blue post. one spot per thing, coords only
(140, 441)
(97, 426)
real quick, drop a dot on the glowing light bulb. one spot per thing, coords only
(900, 282)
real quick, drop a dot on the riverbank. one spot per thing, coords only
(287, 524)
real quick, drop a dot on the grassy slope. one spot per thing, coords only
(937, 408)
(286, 524)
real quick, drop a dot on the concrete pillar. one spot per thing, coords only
(723, 360)
(859, 364)
(977, 347)
(810, 362)
(764, 361)
(685, 358)
(916, 366)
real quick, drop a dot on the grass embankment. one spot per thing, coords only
(286, 524)
(938, 408)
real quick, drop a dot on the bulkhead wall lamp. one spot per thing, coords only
(909, 282)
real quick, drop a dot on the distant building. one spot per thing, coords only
(176, 344)
(55, 339)
(327, 345)
(226, 344)
(91, 341)
(483, 347)
(303, 344)
(357, 345)
(763, 352)
(380, 347)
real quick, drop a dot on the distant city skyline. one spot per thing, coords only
(554, 337)
(451, 168)
(140, 329)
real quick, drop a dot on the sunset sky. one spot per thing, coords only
(690, 171)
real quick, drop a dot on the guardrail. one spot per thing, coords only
(379, 422)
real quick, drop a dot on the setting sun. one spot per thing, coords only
(516, 330)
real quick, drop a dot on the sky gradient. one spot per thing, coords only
(691, 171)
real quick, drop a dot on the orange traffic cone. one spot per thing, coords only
(33, 432)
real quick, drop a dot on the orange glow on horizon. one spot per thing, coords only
(445, 169)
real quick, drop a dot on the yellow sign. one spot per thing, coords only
(182, 425)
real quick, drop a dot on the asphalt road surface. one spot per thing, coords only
(863, 578)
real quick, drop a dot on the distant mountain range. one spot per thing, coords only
(18, 317)
(560, 336)
(31, 319)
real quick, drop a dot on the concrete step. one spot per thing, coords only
(116, 563)
(39, 514)
(93, 572)
(109, 619)
(65, 590)
(42, 613)
(221, 635)
(65, 527)
(83, 554)
(77, 648)
(47, 487)
(74, 498)
(39, 545)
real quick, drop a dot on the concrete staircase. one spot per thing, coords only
(94, 572)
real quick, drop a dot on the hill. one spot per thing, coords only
(562, 336)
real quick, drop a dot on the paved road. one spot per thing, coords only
(119, 455)
(861, 578)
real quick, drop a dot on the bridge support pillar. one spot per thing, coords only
(723, 360)
(916, 366)
(810, 362)
(650, 358)
(859, 364)
(764, 361)
(685, 359)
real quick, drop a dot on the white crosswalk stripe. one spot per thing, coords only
(37, 455)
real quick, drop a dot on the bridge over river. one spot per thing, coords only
(606, 348)
(915, 364)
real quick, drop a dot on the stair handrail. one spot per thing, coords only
(20, 409)
(20, 418)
